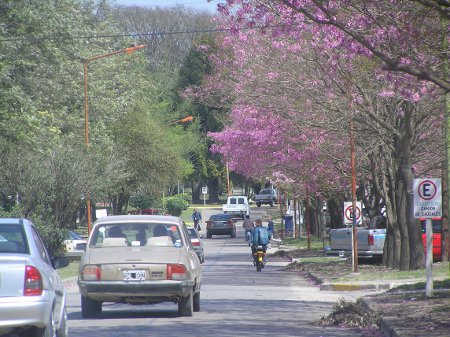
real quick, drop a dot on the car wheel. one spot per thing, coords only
(196, 302)
(90, 308)
(185, 305)
(258, 204)
(63, 330)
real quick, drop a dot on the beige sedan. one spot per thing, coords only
(139, 259)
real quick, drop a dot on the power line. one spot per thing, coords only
(159, 33)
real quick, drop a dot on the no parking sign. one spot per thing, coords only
(348, 213)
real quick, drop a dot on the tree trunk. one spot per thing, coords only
(196, 186)
(412, 251)
(213, 190)
(401, 220)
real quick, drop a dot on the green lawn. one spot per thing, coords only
(70, 271)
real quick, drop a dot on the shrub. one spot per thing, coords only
(175, 205)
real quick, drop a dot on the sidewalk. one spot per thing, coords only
(402, 313)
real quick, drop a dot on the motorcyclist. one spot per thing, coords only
(260, 237)
(248, 226)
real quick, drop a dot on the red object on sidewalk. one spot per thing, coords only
(437, 237)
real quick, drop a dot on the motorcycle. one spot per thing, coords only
(259, 258)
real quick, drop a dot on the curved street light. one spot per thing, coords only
(86, 109)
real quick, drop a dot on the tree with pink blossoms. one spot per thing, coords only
(300, 108)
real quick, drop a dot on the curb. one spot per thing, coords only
(386, 326)
(354, 286)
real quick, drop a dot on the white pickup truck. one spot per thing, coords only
(237, 205)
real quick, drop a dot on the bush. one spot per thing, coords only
(175, 205)
(51, 233)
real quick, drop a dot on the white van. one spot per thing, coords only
(237, 205)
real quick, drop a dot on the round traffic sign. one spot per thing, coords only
(349, 213)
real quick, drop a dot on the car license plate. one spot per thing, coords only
(134, 275)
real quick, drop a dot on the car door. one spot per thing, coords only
(192, 256)
(55, 284)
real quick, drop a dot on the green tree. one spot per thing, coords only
(208, 166)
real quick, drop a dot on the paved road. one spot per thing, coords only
(236, 301)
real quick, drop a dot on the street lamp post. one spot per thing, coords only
(354, 226)
(86, 110)
(182, 120)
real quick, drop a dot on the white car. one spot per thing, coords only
(139, 259)
(74, 242)
(32, 295)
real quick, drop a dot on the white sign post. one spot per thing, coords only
(204, 192)
(348, 220)
(428, 204)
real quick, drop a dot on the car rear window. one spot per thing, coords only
(13, 239)
(266, 192)
(136, 234)
(219, 217)
(192, 233)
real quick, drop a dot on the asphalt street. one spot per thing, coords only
(235, 301)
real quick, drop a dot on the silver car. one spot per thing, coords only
(197, 243)
(139, 259)
(32, 295)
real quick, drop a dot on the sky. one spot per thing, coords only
(195, 4)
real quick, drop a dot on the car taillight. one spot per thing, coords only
(176, 272)
(196, 243)
(370, 240)
(91, 273)
(33, 282)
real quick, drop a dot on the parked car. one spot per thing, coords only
(436, 223)
(139, 259)
(32, 295)
(266, 196)
(74, 242)
(220, 224)
(197, 242)
(370, 240)
(269, 196)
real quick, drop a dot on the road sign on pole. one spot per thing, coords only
(427, 198)
(348, 212)
(428, 205)
(204, 192)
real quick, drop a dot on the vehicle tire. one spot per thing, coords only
(186, 305)
(208, 235)
(258, 204)
(90, 308)
(196, 304)
(63, 330)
